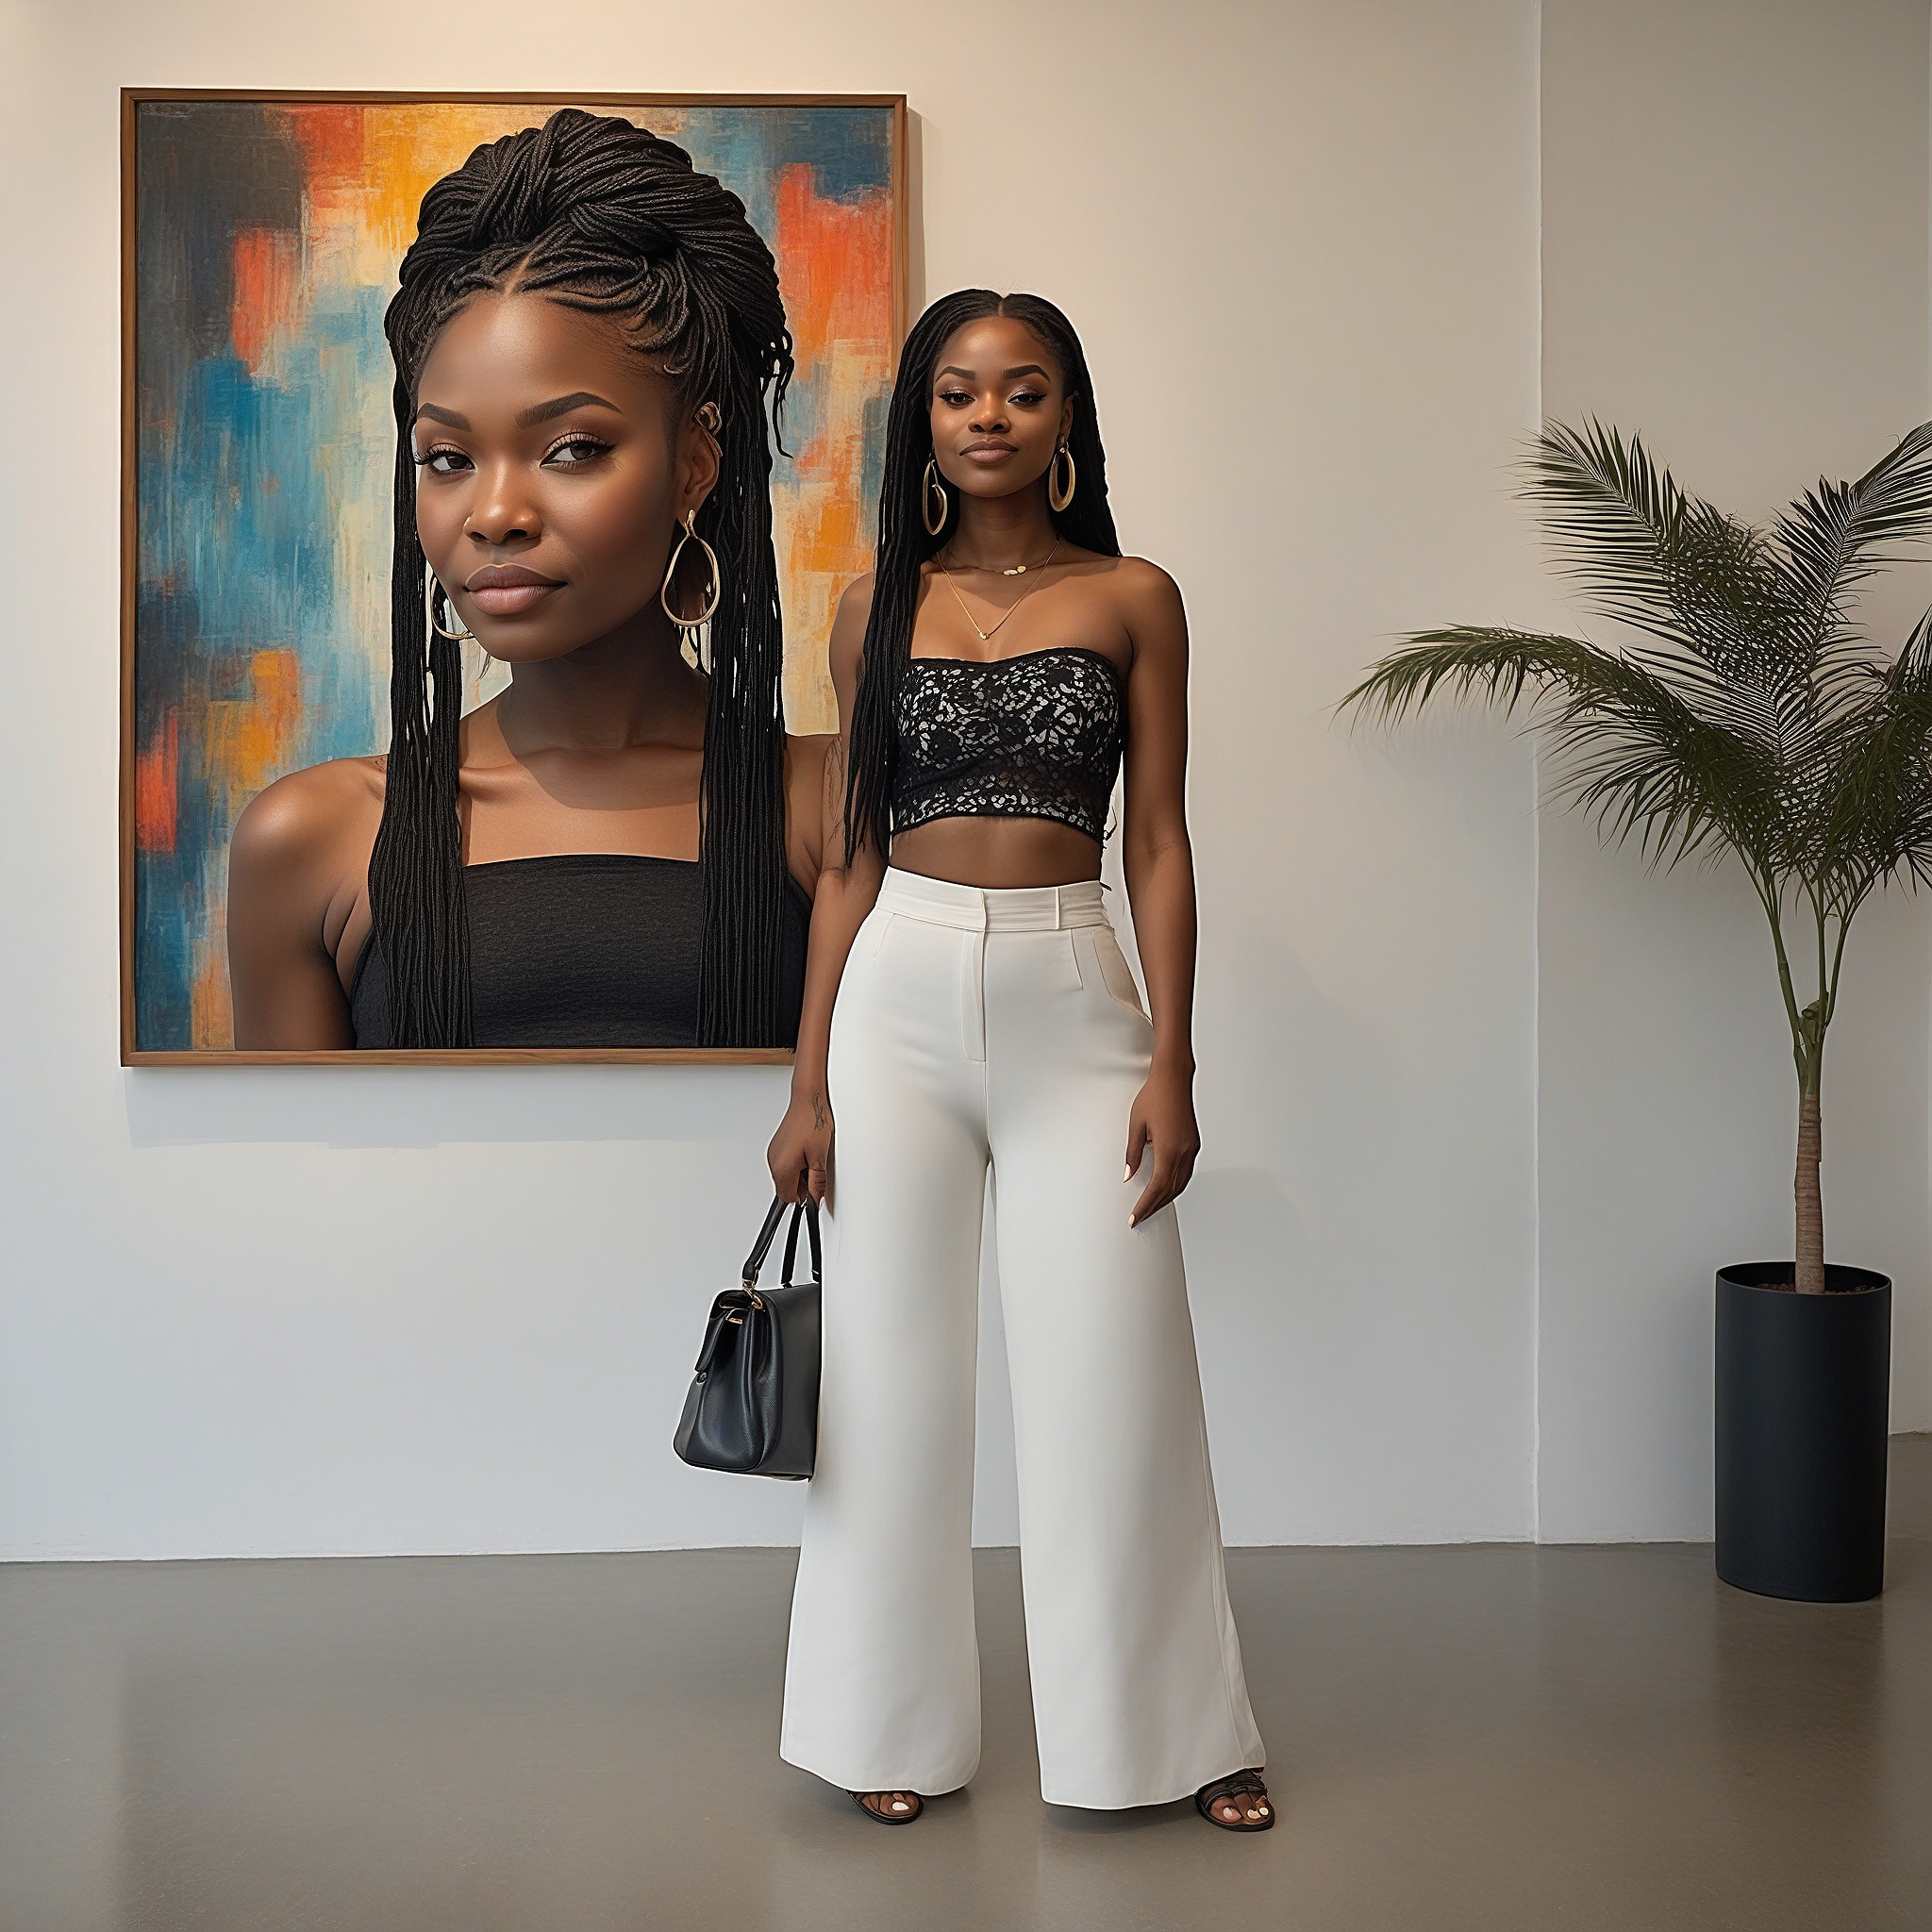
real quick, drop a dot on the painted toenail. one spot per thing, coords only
(900, 1805)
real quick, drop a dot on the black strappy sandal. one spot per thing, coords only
(1237, 1785)
(906, 1817)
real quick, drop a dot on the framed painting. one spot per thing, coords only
(260, 237)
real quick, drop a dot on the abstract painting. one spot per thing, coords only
(263, 235)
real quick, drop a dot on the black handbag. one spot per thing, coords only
(754, 1402)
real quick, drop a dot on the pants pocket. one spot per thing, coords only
(1116, 975)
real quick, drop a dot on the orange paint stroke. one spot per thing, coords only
(210, 1010)
(411, 146)
(251, 740)
(836, 259)
(330, 133)
(247, 744)
(264, 286)
(156, 782)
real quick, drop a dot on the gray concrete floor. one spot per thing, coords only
(1486, 1737)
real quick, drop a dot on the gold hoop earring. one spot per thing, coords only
(703, 616)
(1057, 497)
(930, 487)
(430, 587)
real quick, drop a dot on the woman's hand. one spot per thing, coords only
(800, 1156)
(1163, 1115)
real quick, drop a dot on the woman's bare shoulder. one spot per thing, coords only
(1141, 581)
(310, 811)
(855, 599)
(848, 629)
(1130, 579)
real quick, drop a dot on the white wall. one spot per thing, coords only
(257, 1312)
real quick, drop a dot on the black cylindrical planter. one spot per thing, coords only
(1802, 1400)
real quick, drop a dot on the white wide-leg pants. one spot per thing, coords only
(978, 1027)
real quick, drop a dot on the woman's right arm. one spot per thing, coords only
(801, 1151)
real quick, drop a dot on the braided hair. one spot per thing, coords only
(905, 544)
(604, 217)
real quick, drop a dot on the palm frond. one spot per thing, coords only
(1753, 717)
(1837, 534)
(1648, 553)
(1499, 663)
(1612, 515)
(1875, 810)
(1637, 758)
(1670, 783)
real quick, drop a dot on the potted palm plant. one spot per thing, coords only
(1746, 716)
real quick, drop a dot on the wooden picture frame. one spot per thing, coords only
(143, 766)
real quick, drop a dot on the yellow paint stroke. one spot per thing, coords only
(247, 741)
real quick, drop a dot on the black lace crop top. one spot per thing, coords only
(1038, 737)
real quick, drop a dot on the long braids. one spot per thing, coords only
(905, 544)
(599, 215)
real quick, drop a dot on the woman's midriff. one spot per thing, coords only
(998, 853)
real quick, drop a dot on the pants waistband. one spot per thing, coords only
(991, 909)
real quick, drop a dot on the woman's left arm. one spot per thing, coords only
(1159, 866)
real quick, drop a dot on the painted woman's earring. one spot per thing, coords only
(688, 624)
(929, 488)
(1059, 495)
(430, 589)
(691, 629)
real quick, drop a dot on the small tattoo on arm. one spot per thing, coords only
(821, 1118)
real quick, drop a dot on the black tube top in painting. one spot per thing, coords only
(586, 949)
(1037, 736)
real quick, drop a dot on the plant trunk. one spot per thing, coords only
(1810, 1198)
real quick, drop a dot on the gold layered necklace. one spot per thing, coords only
(1017, 569)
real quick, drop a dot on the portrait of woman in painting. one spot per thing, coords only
(618, 850)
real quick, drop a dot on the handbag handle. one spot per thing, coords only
(807, 1211)
(748, 1274)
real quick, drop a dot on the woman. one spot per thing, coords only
(967, 1007)
(586, 337)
